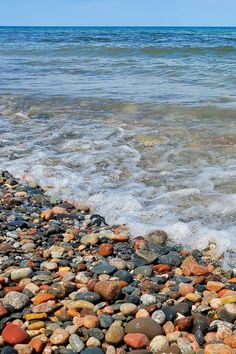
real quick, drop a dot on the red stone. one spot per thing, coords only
(7, 289)
(137, 243)
(91, 284)
(151, 308)
(37, 344)
(3, 311)
(106, 250)
(161, 268)
(136, 340)
(13, 334)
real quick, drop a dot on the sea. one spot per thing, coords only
(137, 122)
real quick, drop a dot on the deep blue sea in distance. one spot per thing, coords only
(139, 122)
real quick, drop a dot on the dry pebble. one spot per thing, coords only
(70, 283)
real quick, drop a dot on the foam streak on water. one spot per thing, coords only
(139, 123)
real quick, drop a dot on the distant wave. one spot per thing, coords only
(155, 51)
(72, 49)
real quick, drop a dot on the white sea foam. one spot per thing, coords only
(141, 172)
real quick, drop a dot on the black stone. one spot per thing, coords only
(183, 308)
(105, 321)
(199, 323)
(88, 296)
(96, 333)
(200, 337)
(124, 275)
(172, 259)
(92, 351)
(200, 288)
(170, 313)
(8, 350)
(133, 299)
(104, 268)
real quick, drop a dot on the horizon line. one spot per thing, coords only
(122, 26)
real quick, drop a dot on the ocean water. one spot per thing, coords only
(138, 122)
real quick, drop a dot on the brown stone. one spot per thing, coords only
(6, 248)
(109, 290)
(174, 349)
(158, 237)
(115, 334)
(146, 326)
(90, 321)
(183, 323)
(3, 311)
(185, 289)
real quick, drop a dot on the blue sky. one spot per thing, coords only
(118, 12)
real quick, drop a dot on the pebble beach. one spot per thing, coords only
(70, 283)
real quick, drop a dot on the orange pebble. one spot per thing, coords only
(142, 313)
(37, 344)
(60, 312)
(210, 268)
(231, 341)
(43, 287)
(120, 238)
(214, 286)
(232, 280)
(199, 270)
(106, 250)
(73, 313)
(225, 292)
(161, 268)
(43, 297)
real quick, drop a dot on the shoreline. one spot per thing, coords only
(70, 283)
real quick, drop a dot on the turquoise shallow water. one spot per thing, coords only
(138, 122)
(184, 65)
